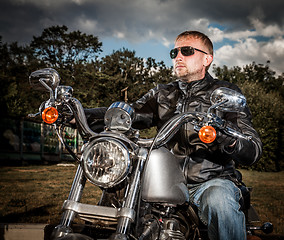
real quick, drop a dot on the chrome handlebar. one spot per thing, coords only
(168, 130)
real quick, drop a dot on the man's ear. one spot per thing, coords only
(208, 60)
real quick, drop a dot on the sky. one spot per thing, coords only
(242, 31)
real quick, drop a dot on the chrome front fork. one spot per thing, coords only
(125, 220)
(68, 215)
(125, 216)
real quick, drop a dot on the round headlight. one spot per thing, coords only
(106, 162)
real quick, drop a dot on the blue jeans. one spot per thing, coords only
(218, 206)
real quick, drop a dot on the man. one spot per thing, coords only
(210, 171)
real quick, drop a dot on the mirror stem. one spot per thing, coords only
(42, 81)
(216, 105)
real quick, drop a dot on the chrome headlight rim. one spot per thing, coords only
(86, 157)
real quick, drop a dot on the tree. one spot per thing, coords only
(252, 73)
(59, 49)
(54, 48)
(267, 109)
(15, 62)
(134, 74)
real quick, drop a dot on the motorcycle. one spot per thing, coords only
(140, 197)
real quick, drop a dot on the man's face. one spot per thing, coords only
(191, 68)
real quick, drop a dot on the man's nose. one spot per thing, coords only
(179, 55)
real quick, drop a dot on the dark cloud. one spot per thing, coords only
(239, 22)
(238, 12)
(19, 22)
(134, 20)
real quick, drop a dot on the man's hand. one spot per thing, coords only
(227, 142)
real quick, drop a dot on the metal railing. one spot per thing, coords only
(26, 140)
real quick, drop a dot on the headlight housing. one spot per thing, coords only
(106, 162)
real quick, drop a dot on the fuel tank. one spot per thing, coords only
(163, 180)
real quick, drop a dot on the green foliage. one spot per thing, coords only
(133, 75)
(93, 88)
(267, 109)
(54, 48)
(15, 64)
(57, 48)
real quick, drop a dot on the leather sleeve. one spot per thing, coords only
(146, 110)
(95, 118)
(156, 106)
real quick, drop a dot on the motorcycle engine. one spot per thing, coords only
(171, 230)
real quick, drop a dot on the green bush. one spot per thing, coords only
(267, 110)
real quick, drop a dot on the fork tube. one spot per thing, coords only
(132, 195)
(75, 195)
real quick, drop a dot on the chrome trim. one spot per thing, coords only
(78, 110)
(124, 222)
(98, 212)
(123, 106)
(119, 117)
(227, 100)
(169, 129)
(63, 91)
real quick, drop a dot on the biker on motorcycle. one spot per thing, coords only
(210, 168)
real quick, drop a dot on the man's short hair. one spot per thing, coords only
(198, 35)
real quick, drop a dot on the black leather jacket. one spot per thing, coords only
(204, 161)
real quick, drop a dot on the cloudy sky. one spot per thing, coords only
(242, 31)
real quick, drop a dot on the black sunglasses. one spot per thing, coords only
(185, 51)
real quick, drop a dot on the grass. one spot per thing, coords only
(267, 196)
(34, 194)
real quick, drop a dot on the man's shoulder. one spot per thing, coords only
(154, 93)
(216, 83)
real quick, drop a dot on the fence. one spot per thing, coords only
(27, 141)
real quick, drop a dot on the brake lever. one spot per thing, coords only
(236, 134)
(217, 122)
(33, 115)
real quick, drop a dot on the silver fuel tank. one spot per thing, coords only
(163, 180)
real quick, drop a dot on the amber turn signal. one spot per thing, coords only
(49, 115)
(207, 134)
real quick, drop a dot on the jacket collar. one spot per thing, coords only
(194, 86)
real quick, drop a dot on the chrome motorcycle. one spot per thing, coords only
(144, 193)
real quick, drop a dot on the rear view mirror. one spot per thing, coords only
(227, 100)
(44, 79)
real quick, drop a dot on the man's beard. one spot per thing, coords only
(188, 76)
